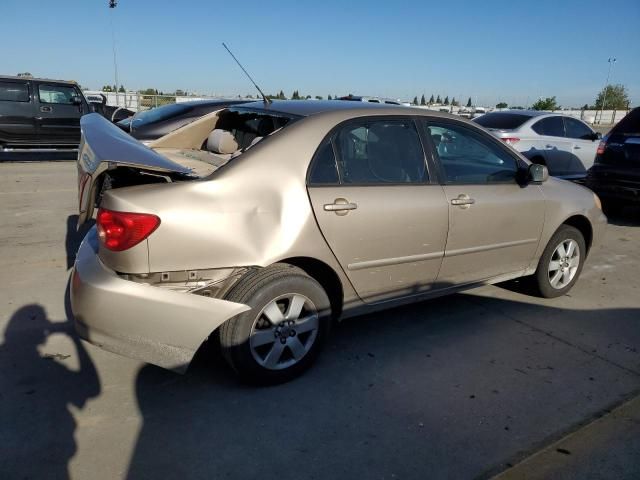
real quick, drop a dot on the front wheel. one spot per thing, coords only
(561, 262)
(283, 333)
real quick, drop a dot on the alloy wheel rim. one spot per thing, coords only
(284, 331)
(564, 264)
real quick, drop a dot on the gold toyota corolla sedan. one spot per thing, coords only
(267, 221)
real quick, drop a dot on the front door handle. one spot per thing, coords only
(45, 109)
(576, 147)
(463, 201)
(341, 206)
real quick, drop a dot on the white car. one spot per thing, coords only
(566, 145)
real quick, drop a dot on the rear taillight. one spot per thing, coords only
(602, 146)
(122, 230)
(510, 140)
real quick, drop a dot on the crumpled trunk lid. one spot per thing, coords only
(103, 147)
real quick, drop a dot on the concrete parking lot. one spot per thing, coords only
(465, 386)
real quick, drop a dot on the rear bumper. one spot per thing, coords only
(140, 321)
(614, 186)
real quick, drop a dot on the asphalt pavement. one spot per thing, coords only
(472, 385)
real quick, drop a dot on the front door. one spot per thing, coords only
(494, 222)
(584, 144)
(57, 116)
(378, 209)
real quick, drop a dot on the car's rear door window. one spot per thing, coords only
(324, 170)
(467, 157)
(380, 152)
(14, 91)
(550, 126)
(60, 94)
(577, 129)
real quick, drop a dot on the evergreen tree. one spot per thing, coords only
(469, 102)
(422, 100)
(281, 96)
(415, 101)
(431, 100)
(329, 98)
(438, 100)
(446, 100)
(454, 102)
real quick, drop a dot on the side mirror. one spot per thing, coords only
(76, 100)
(596, 136)
(538, 173)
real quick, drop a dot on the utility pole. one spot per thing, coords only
(112, 5)
(611, 61)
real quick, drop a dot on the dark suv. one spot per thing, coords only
(40, 113)
(615, 175)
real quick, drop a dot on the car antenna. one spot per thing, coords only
(264, 97)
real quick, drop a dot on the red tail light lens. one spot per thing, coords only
(602, 146)
(120, 231)
(510, 140)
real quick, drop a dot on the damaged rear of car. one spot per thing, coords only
(131, 293)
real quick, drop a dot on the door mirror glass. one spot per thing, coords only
(76, 100)
(538, 173)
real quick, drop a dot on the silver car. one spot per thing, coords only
(264, 223)
(566, 145)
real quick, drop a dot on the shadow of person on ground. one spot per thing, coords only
(36, 389)
(74, 237)
(446, 388)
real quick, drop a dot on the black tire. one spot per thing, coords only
(258, 289)
(542, 276)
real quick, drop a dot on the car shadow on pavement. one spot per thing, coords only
(74, 237)
(36, 391)
(447, 388)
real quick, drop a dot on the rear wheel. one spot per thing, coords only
(283, 333)
(561, 263)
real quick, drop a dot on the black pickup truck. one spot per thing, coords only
(39, 113)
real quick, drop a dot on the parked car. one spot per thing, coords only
(40, 113)
(358, 98)
(266, 221)
(615, 175)
(110, 112)
(564, 144)
(147, 125)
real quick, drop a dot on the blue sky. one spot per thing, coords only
(489, 50)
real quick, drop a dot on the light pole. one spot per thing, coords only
(611, 61)
(112, 5)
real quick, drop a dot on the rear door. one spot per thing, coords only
(558, 150)
(584, 144)
(494, 222)
(58, 118)
(379, 207)
(17, 113)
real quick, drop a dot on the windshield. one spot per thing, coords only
(502, 120)
(159, 114)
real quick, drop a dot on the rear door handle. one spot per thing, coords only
(340, 206)
(576, 147)
(463, 201)
(46, 109)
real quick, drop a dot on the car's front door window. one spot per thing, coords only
(467, 158)
(56, 94)
(578, 130)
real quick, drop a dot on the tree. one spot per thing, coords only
(422, 100)
(613, 97)
(502, 105)
(585, 107)
(319, 97)
(548, 103)
(25, 75)
(431, 100)
(121, 89)
(469, 103)
(106, 88)
(329, 98)
(438, 100)
(281, 96)
(295, 95)
(415, 101)
(455, 103)
(446, 100)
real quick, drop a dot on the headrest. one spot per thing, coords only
(221, 141)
